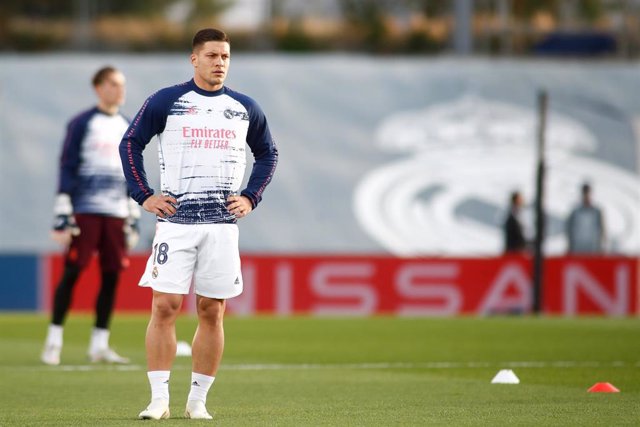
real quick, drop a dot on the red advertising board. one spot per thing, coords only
(369, 285)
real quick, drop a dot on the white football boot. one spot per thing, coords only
(158, 409)
(196, 410)
(107, 355)
(51, 355)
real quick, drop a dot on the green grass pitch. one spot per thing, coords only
(303, 371)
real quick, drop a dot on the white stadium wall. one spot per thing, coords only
(378, 155)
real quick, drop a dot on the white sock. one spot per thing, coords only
(99, 340)
(54, 335)
(159, 381)
(200, 385)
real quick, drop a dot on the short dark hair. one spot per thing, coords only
(209, 35)
(514, 196)
(102, 74)
(586, 188)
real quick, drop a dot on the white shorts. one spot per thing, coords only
(206, 255)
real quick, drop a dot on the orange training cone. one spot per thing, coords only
(603, 388)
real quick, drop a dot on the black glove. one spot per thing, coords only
(64, 226)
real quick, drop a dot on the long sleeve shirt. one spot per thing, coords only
(90, 167)
(202, 136)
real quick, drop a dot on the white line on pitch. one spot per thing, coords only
(348, 366)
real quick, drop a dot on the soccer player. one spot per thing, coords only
(93, 213)
(203, 128)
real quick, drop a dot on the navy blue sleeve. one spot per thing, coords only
(265, 153)
(149, 122)
(70, 157)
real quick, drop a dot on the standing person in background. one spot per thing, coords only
(514, 238)
(203, 128)
(585, 226)
(93, 213)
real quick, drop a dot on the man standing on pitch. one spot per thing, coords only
(93, 213)
(514, 238)
(202, 128)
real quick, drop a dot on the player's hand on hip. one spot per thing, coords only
(240, 206)
(162, 206)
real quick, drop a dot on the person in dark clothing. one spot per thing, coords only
(514, 238)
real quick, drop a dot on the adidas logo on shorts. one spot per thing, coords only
(237, 282)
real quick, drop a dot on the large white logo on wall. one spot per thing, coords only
(449, 195)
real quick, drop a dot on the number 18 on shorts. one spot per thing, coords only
(206, 255)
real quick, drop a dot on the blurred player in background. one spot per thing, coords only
(93, 213)
(203, 128)
(585, 226)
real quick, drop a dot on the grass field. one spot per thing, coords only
(304, 371)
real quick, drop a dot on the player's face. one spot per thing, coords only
(210, 64)
(111, 91)
(519, 202)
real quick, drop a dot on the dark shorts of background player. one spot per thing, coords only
(102, 234)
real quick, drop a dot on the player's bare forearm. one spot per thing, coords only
(162, 206)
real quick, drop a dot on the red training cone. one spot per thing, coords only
(603, 388)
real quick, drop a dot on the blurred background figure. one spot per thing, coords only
(92, 211)
(514, 236)
(585, 226)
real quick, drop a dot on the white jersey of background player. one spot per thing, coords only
(203, 128)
